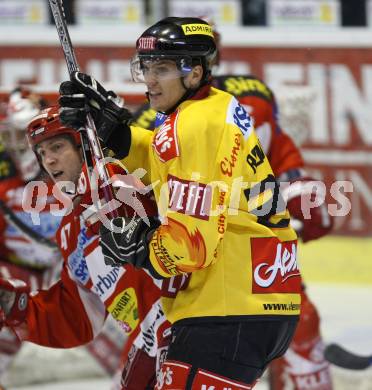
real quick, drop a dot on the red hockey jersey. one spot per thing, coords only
(73, 310)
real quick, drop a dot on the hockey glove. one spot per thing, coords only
(13, 302)
(130, 245)
(303, 205)
(83, 94)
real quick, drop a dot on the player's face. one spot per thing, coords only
(165, 92)
(61, 159)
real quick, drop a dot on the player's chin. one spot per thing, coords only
(156, 102)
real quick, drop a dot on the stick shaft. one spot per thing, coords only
(64, 36)
(91, 132)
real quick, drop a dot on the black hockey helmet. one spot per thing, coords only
(188, 41)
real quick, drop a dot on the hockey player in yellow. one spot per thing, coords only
(224, 247)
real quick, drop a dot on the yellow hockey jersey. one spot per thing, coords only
(225, 245)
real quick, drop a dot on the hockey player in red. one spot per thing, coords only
(27, 248)
(73, 310)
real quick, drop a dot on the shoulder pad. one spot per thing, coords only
(243, 86)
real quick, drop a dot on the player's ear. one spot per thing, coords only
(195, 76)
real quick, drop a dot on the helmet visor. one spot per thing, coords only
(145, 68)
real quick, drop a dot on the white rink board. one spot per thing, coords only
(119, 36)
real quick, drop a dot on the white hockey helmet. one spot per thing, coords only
(22, 106)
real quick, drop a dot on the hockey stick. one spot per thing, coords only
(340, 357)
(92, 148)
(28, 232)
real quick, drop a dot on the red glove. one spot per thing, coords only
(306, 203)
(13, 302)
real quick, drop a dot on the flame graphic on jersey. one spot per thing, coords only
(184, 241)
